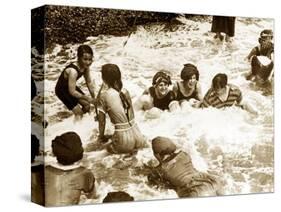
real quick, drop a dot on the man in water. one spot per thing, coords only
(67, 91)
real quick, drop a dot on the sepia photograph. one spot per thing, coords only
(132, 105)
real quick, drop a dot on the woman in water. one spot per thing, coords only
(117, 103)
(189, 88)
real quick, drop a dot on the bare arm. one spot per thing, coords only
(72, 77)
(245, 105)
(249, 108)
(144, 102)
(102, 122)
(90, 83)
(252, 53)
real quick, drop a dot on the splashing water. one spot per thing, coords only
(231, 143)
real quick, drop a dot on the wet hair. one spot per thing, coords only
(34, 147)
(219, 81)
(188, 71)
(111, 74)
(84, 49)
(117, 196)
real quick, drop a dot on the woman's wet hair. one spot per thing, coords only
(219, 81)
(188, 71)
(111, 74)
(82, 49)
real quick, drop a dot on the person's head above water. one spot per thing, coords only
(161, 76)
(68, 148)
(117, 196)
(219, 81)
(162, 146)
(85, 56)
(266, 35)
(111, 75)
(161, 81)
(189, 72)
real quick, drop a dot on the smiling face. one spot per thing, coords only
(162, 88)
(192, 81)
(86, 60)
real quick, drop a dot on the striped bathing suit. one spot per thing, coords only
(234, 98)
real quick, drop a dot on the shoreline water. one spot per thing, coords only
(238, 153)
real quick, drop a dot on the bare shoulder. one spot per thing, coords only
(71, 72)
(125, 91)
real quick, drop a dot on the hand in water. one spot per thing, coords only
(194, 103)
(94, 101)
(86, 98)
(104, 139)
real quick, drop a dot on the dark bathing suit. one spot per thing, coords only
(163, 103)
(62, 91)
(180, 95)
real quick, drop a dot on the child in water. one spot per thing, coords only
(117, 103)
(264, 50)
(176, 168)
(67, 91)
(67, 179)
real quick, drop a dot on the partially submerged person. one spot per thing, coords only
(158, 95)
(37, 173)
(222, 94)
(118, 196)
(117, 103)
(67, 179)
(261, 57)
(189, 88)
(67, 90)
(176, 169)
